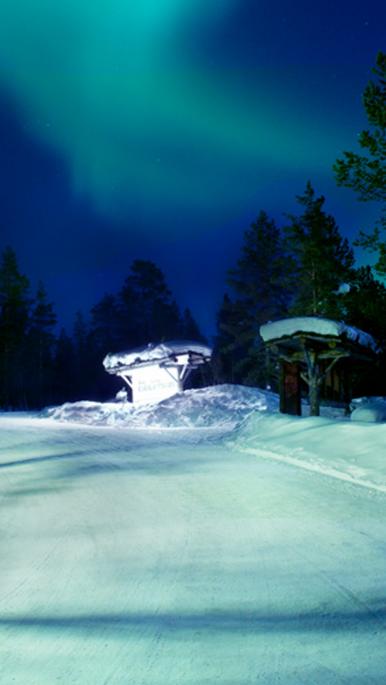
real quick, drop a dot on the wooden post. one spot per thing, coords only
(347, 389)
(314, 378)
(290, 400)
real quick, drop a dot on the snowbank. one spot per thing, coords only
(369, 409)
(219, 406)
(351, 451)
(354, 451)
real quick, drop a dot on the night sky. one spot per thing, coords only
(158, 129)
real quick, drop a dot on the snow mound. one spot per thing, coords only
(371, 409)
(219, 406)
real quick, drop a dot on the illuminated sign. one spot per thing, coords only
(157, 371)
(153, 384)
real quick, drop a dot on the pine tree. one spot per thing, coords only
(41, 343)
(189, 327)
(365, 304)
(14, 318)
(366, 173)
(261, 279)
(106, 326)
(84, 362)
(64, 365)
(146, 305)
(365, 308)
(226, 355)
(262, 285)
(323, 260)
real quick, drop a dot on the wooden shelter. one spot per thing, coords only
(319, 352)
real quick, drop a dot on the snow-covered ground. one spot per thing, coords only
(352, 451)
(221, 406)
(228, 551)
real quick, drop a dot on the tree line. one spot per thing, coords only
(305, 268)
(40, 367)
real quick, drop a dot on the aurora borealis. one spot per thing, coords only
(159, 128)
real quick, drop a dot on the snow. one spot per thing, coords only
(318, 326)
(155, 353)
(346, 450)
(220, 406)
(343, 289)
(369, 409)
(171, 546)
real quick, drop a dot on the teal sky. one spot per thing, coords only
(169, 124)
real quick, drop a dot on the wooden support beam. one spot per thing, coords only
(316, 356)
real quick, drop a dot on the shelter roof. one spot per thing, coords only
(315, 328)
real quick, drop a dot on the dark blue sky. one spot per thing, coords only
(160, 129)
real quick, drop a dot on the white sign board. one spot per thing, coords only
(153, 383)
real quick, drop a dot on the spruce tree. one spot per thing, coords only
(147, 308)
(64, 365)
(261, 284)
(14, 319)
(365, 304)
(41, 344)
(84, 358)
(365, 171)
(226, 354)
(323, 260)
(106, 326)
(365, 308)
(189, 329)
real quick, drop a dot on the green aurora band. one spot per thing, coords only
(138, 117)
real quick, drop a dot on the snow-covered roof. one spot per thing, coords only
(158, 353)
(316, 325)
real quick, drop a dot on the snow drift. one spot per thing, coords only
(351, 451)
(331, 444)
(219, 406)
(369, 409)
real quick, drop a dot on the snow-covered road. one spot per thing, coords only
(162, 558)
